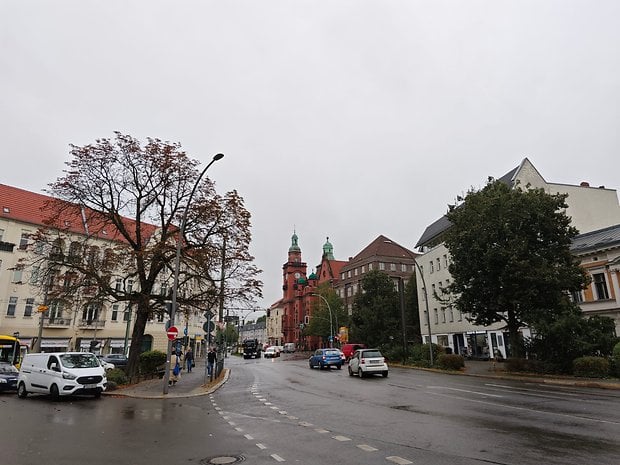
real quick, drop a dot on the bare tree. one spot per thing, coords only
(119, 206)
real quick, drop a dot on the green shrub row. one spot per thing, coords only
(451, 361)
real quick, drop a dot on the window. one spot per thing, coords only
(342, 276)
(451, 314)
(34, 275)
(127, 314)
(601, 286)
(55, 310)
(403, 267)
(10, 311)
(370, 267)
(1, 234)
(438, 264)
(17, 275)
(432, 267)
(445, 261)
(443, 314)
(129, 285)
(577, 296)
(436, 316)
(23, 240)
(115, 312)
(118, 285)
(28, 307)
(392, 266)
(90, 313)
(381, 266)
(355, 273)
(363, 269)
(349, 274)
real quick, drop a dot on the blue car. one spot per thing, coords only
(8, 377)
(325, 358)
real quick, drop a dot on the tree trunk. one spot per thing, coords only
(139, 326)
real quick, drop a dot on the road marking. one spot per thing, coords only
(226, 417)
(366, 447)
(261, 446)
(341, 438)
(218, 408)
(283, 412)
(232, 423)
(305, 423)
(248, 437)
(321, 430)
(291, 417)
(239, 429)
(273, 407)
(262, 399)
(398, 460)
(277, 458)
(486, 394)
(268, 403)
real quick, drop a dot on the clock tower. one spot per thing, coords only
(293, 282)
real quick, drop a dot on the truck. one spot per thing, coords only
(251, 348)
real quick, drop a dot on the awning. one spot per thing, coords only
(85, 343)
(25, 341)
(119, 343)
(55, 342)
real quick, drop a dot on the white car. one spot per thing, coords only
(106, 365)
(271, 352)
(367, 362)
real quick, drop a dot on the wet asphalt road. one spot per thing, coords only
(281, 411)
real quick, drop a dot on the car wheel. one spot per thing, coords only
(54, 392)
(21, 391)
(360, 373)
(310, 363)
(97, 394)
(350, 371)
(385, 374)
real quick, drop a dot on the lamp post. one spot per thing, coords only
(177, 262)
(428, 316)
(331, 326)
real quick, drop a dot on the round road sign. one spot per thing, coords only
(172, 333)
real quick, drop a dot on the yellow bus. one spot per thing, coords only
(10, 350)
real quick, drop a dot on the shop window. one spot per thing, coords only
(601, 286)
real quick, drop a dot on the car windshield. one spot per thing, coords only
(79, 360)
(371, 353)
(7, 368)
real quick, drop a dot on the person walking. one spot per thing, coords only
(210, 361)
(175, 368)
(189, 359)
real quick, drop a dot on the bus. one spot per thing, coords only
(10, 350)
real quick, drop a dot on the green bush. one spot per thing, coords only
(150, 361)
(591, 367)
(451, 361)
(116, 377)
(524, 365)
(420, 354)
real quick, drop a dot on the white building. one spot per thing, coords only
(590, 208)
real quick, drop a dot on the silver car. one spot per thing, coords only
(367, 362)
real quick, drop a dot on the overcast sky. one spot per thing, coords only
(346, 119)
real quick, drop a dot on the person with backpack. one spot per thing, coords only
(175, 368)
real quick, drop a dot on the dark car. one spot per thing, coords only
(118, 360)
(8, 377)
(326, 358)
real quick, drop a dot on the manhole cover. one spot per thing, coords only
(222, 460)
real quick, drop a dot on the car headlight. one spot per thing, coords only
(66, 375)
(3, 381)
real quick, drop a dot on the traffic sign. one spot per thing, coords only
(185, 330)
(172, 333)
(42, 308)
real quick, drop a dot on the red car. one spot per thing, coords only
(349, 349)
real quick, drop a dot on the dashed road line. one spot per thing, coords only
(321, 430)
(277, 458)
(367, 448)
(341, 438)
(261, 446)
(398, 460)
(248, 437)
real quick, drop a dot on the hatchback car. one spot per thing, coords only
(325, 358)
(106, 365)
(118, 360)
(271, 352)
(8, 377)
(367, 362)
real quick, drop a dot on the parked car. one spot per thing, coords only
(8, 377)
(118, 360)
(342, 356)
(325, 358)
(289, 348)
(106, 365)
(271, 352)
(348, 349)
(368, 362)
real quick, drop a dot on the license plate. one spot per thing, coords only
(90, 386)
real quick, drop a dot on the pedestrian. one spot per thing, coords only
(210, 361)
(175, 368)
(189, 360)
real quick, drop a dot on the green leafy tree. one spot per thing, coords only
(319, 324)
(376, 317)
(511, 259)
(412, 312)
(119, 205)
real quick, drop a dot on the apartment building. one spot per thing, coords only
(102, 326)
(590, 208)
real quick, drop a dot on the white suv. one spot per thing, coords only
(367, 362)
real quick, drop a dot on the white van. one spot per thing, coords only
(61, 374)
(289, 348)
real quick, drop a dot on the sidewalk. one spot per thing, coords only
(191, 384)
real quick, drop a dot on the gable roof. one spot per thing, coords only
(37, 209)
(597, 240)
(382, 246)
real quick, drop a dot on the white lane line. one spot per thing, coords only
(366, 447)
(261, 446)
(305, 423)
(226, 417)
(283, 412)
(291, 417)
(232, 423)
(277, 458)
(268, 403)
(321, 430)
(341, 438)
(398, 460)
(239, 429)
(248, 437)
(486, 394)
(218, 408)
(273, 407)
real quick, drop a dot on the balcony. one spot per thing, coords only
(57, 322)
(91, 324)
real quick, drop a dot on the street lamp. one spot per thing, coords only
(177, 262)
(331, 326)
(428, 316)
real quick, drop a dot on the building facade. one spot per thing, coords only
(589, 208)
(102, 327)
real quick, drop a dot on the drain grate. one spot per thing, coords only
(222, 460)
